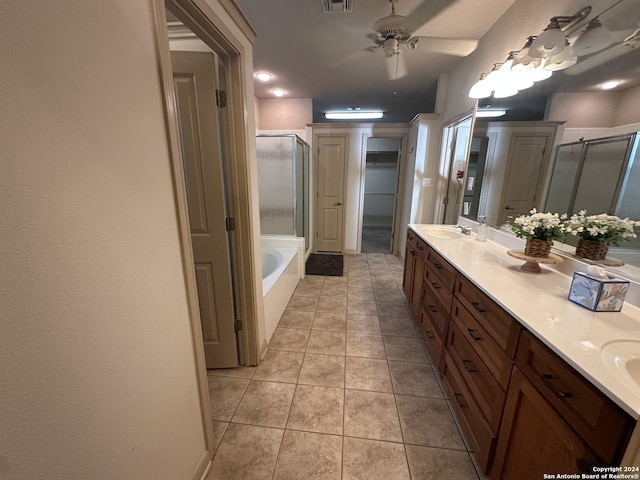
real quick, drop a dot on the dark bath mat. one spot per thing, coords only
(323, 264)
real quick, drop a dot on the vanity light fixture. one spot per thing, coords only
(523, 61)
(352, 115)
(480, 89)
(264, 76)
(565, 59)
(610, 85)
(278, 92)
(553, 39)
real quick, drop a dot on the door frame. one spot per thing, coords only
(397, 211)
(210, 28)
(316, 179)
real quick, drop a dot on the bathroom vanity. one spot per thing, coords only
(525, 369)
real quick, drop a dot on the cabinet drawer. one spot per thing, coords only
(437, 288)
(412, 237)
(434, 343)
(601, 423)
(438, 314)
(421, 247)
(441, 268)
(476, 429)
(496, 321)
(485, 389)
(495, 359)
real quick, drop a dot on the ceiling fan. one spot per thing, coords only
(394, 30)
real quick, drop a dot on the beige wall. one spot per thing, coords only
(98, 378)
(285, 113)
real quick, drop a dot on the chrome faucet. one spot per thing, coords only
(464, 230)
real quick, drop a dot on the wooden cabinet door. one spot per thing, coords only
(534, 439)
(407, 281)
(416, 294)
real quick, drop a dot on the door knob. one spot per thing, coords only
(337, 204)
(509, 208)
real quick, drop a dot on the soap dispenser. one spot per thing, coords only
(483, 229)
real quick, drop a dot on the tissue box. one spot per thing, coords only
(597, 294)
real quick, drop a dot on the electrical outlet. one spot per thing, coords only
(426, 182)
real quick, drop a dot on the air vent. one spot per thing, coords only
(337, 6)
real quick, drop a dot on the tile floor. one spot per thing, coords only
(345, 391)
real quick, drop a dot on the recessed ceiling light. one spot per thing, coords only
(490, 112)
(264, 76)
(278, 92)
(352, 115)
(610, 85)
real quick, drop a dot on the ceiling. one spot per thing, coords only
(327, 57)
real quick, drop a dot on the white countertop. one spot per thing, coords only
(539, 302)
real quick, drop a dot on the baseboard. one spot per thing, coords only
(350, 251)
(204, 465)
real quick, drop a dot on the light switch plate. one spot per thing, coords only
(426, 182)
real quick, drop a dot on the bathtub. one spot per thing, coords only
(282, 269)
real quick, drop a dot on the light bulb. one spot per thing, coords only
(548, 43)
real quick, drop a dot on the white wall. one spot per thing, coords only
(285, 113)
(98, 377)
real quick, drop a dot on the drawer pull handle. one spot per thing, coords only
(459, 402)
(432, 309)
(435, 285)
(420, 247)
(546, 378)
(428, 334)
(473, 334)
(477, 306)
(437, 265)
(468, 366)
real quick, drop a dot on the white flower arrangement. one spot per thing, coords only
(540, 226)
(604, 228)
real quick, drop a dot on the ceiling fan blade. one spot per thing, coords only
(424, 12)
(352, 57)
(459, 47)
(396, 66)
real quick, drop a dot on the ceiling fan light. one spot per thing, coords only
(596, 37)
(550, 42)
(391, 47)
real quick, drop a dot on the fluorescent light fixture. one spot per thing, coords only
(264, 76)
(352, 115)
(278, 92)
(490, 112)
(610, 85)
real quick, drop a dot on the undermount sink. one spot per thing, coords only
(441, 232)
(624, 356)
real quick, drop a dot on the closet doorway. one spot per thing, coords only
(380, 194)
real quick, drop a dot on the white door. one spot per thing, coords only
(330, 193)
(195, 86)
(522, 182)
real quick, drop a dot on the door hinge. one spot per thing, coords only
(237, 325)
(445, 200)
(221, 98)
(230, 223)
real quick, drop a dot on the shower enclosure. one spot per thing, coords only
(283, 183)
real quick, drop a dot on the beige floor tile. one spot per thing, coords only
(309, 456)
(389, 296)
(308, 290)
(368, 324)
(428, 422)
(225, 394)
(322, 370)
(414, 379)
(238, 372)
(289, 339)
(312, 280)
(266, 404)
(329, 343)
(367, 374)
(334, 290)
(371, 415)
(296, 319)
(401, 327)
(330, 321)
(408, 349)
(360, 282)
(358, 293)
(373, 460)
(438, 463)
(384, 284)
(332, 304)
(393, 310)
(218, 432)
(361, 307)
(317, 409)
(303, 304)
(361, 345)
(279, 366)
(246, 452)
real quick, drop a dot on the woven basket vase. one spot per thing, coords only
(591, 249)
(537, 248)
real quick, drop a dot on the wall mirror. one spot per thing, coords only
(566, 144)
